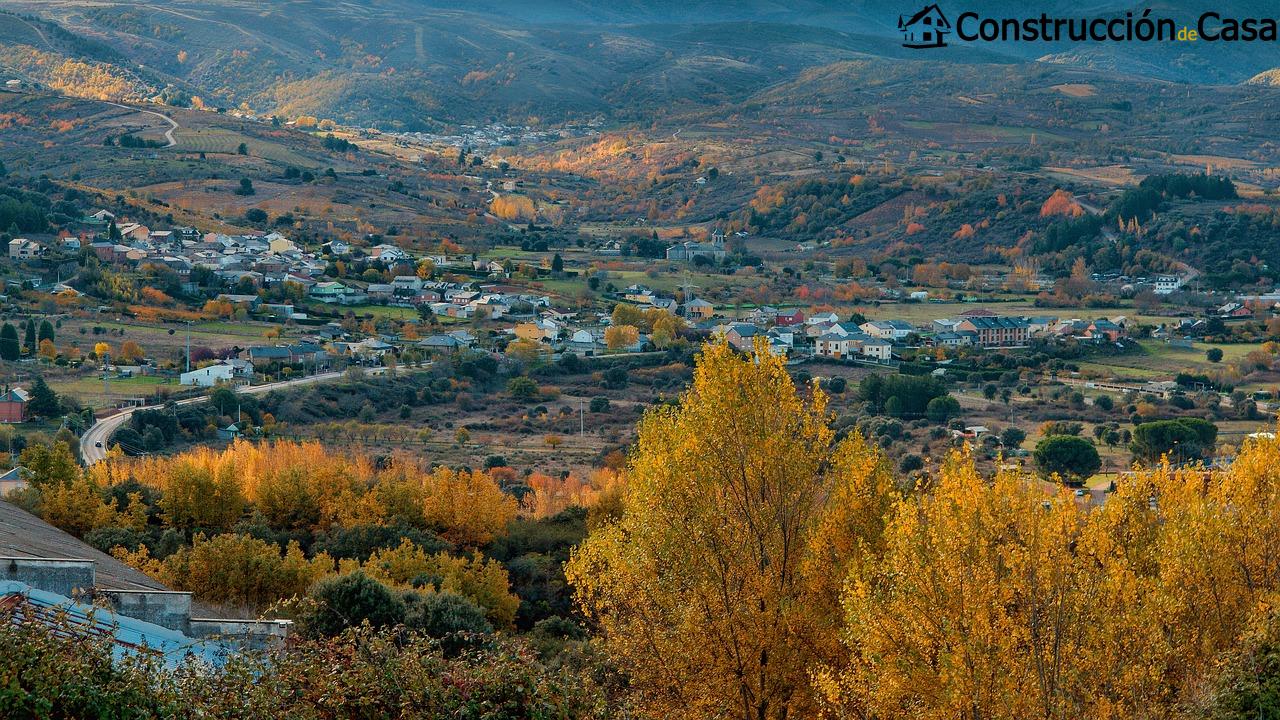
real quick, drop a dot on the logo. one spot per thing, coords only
(926, 29)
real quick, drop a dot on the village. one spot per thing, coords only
(457, 301)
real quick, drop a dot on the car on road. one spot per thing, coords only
(1079, 493)
(98, 444)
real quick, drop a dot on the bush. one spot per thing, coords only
(522, 388)
(108, 538)
(444, 614)
(348, 601)
(599, 404)
(360, 541)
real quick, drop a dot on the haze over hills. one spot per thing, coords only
(410, 64)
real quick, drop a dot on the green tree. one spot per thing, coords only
(49, 465)
(942, 409)
(1184, 439)
(44, 401)
(522, 388)
(1213, 355)
(29, 335)
(1072, 458)
(1012, 437)
(557, 263)
(46, 331)
(9, 347)
(348, 601)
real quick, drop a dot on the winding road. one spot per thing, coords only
(168, 134)
(93, 443)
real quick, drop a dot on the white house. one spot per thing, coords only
(208, 376)
(1167, 284)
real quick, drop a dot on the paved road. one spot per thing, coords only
(93, 444)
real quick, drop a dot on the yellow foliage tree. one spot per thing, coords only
(481, 579)
(617, 337)
(234, 569)
(717, 587)
(997, 600)
(467, 507)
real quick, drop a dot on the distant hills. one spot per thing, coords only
(429, 64)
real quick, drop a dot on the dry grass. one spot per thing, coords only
(1076, 90)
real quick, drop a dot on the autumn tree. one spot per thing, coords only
(718, 586)
(130, 351)
(237, 570)
(993, 599)
(1061, 204)
(48, 351)
(626, 314)
(974, 610)
(618, 337)
(666, 329)
(466, 507)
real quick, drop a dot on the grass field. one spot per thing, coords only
(1160, 360)
(90, 390)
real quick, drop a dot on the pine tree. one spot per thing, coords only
(46, 330)
(44, 401)
(9, 348)
(557, 263)
(29, 335)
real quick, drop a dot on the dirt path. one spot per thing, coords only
(168, 134)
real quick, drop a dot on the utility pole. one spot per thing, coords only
(188, 346)
(106, 381)
(582, 423)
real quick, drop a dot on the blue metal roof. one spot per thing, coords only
(21, 603)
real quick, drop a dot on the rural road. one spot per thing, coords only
(168, 134)
(93, 444)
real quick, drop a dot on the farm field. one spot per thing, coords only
(227, 142)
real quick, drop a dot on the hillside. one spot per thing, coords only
(415, 65)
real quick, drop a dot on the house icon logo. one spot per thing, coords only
(926, 29)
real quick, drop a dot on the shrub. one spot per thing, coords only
(444, 614)
(522, 388)
(350, 600)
